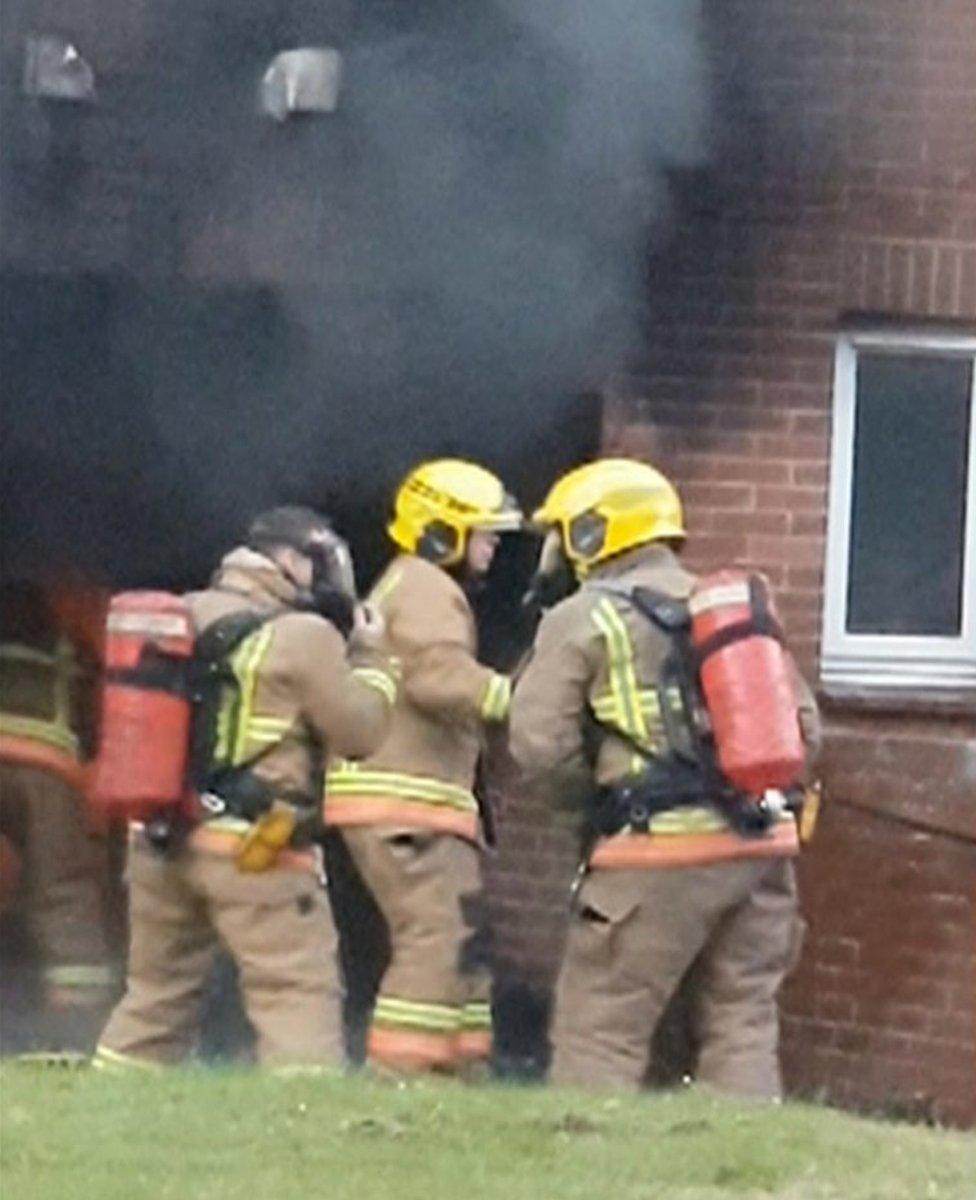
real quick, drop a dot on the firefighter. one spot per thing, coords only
(47, 677)
(228, 878)
(686, 886)
(408, 814)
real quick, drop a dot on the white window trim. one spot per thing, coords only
(865, 663)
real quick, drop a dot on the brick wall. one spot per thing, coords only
(880, 1011)
(844, 189)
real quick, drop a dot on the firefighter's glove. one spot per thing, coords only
(266, 838)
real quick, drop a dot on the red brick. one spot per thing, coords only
(967, 284)
(767, 522)
(717, 550)
(803, 524)
(948, 281)
(793, 446)
(751, 471)
(808, 474)
(814, 424)
(794, 396)
(801, 499)
(730, 496)
(794, 552)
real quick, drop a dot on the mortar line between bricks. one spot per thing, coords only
(911, 822)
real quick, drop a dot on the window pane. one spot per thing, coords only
(908, 494)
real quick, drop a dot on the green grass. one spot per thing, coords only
(211, 1135)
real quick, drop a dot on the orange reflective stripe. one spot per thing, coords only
(26, 752)
(410, 1050)
(376, 810)
(228, 843)
(693, 850)
(472, 1045)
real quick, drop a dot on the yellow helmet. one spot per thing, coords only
(609, 506)
(440, 502)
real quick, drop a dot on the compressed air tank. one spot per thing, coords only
(146, 710)
(747, 680)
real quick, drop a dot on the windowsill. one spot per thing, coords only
(941, 702)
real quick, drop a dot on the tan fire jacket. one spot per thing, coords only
(300, 698)
(422, 775)
(595, 654)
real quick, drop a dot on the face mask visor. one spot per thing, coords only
(332, 593)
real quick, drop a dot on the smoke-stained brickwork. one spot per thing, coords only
(457, 253)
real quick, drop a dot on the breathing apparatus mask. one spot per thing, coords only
(553, 578)
(331, 591)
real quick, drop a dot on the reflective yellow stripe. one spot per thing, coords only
(348, 779)
(410, 1014)
(373, 677)
(677, 821)
(78, 975)
(647, 698)
(267, 730)
(105, 1059)
(497, 698)
(476, 1015)
(235, 825)
(237, 722)
(51, 733)
(60, 666)
(246, 663)
(18, 652)
(270, 724)
(386, 587)
(627, 713)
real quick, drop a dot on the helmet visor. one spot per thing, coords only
(507, 518)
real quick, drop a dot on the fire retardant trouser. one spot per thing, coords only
(63, 870)
(433, 1009)
(276, 924)
(635, 933)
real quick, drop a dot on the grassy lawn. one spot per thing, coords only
(209, 1135)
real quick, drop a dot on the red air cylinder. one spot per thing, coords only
(747, 682)
(145, 727)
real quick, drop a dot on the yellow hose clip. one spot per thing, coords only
(266, 838)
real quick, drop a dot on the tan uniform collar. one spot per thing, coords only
(655, 556)
(256, 576)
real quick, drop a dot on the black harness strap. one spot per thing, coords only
(676, 779)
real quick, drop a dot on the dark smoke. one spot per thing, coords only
(447, 265)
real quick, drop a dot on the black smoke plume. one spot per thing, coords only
(449, 264)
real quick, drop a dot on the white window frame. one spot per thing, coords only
(891, 663)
